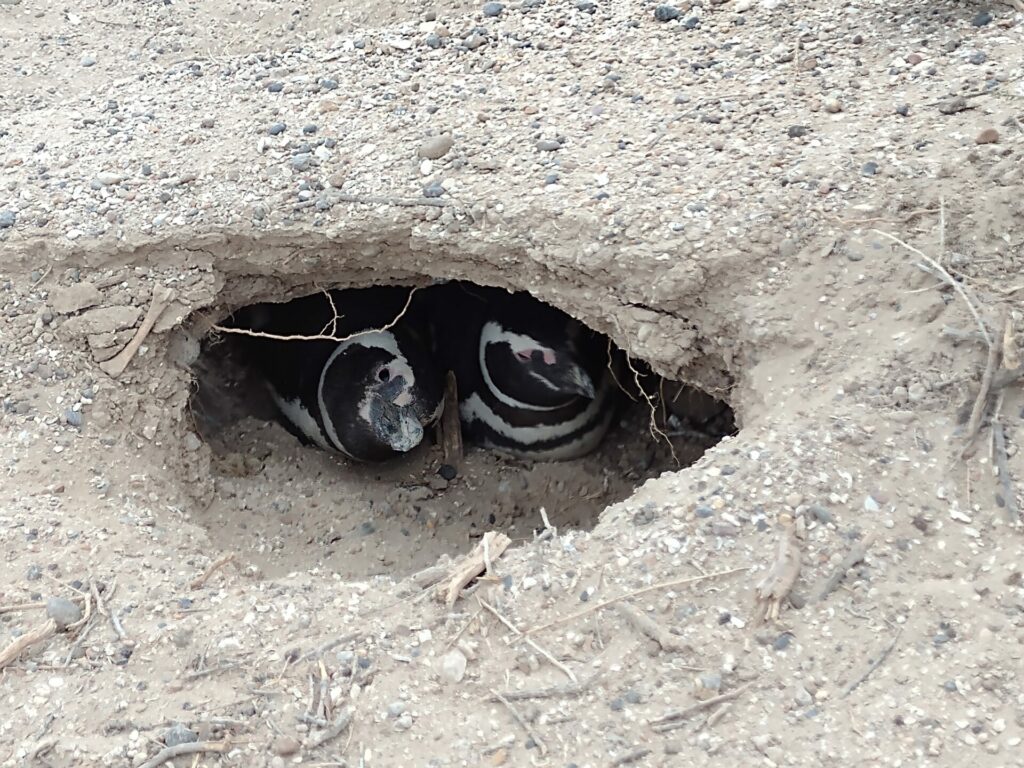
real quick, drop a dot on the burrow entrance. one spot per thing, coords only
(287, 507)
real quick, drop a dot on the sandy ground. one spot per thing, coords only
(767, 200)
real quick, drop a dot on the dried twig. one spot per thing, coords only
(192, 748)
(781, 577)
(995, 351)
(214, 566)
(23, 642)
(630, 757)
(857, 553)
(1003, 467)
(474, 564)
(162, 297)
(201, 673)
(554, 662)
(648, 627)
(451, 425)
(554, 692)
(874, 665)
(320, 650)
(522, 722)
(101, 606)
(677, 718)
(318, 336)
(28, 606)
(941, 273)
(634, 593)
(333, 731)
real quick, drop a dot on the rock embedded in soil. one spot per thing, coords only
(96, 322)
(178, 734)
(286, 746)
(75, 298)
(492, 10)
(987, 136)
(435, 147)
(666, 13)
(63, 612)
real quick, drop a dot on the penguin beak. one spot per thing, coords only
(575, 380)
(398, 427)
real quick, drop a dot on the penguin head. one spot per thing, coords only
(373, 399)
(537, 366)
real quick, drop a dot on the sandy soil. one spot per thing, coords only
(753, 197)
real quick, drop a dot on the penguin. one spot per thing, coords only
(533, 382)
(370, 392)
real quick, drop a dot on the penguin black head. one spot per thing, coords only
(376, 394)
(534, 364)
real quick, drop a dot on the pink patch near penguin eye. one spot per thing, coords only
(526, 355)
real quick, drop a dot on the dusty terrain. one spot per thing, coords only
(724, 193)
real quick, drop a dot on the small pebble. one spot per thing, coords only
(433, 189)
(586, 6)
(796, 131)
(88, 61)
(309, 129)
(782, 642)
(987, 136)
(73, 418)
(62, 611)
(396, 708)
(433, 41)
(978, 57)
(448, 472)
(286, 746)
(981, 19)
(692, 22)
(869, 168)
(492, 10)
(207, 122)
(275, 86)
(7, 217)
(276, 129)
(453, 666)
(903, 110)
(435, 147)
(179, 734)
(666, 13)
(548, 145)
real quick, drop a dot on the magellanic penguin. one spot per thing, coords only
(367, 395)
(533, 382)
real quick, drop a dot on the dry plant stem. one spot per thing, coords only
(404, 202)
(24, 642)
(554, 692)
(320, 650)
(193, 748)
(451, 426)
(475, 564)
(201, 673)
(1003, 465)
(77, 644)
(874, 665)
(116, 365)
(678, 718)
(519, 633)
(635, 593)
(630, 757)
(942, 273)
(522, 722)
(319, 336)
(102, 608)
(214, 567)
(995, 350)
(649, 628)
(29, 606)
(334, 731)
(857, 553)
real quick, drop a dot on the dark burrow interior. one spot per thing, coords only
(285, 506)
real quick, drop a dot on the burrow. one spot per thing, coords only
(286, 507)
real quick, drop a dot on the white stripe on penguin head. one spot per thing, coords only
(371, 340)
(494, 333)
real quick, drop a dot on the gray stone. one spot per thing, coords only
(453, 666)
(276, 129)
(102, 320)
(7, 217)
(666, 13)
(435, 147)
(63, 612)
(548, 145)
(179, 734)
(492, 10)
(88, 61)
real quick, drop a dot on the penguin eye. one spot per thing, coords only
(524, 355)
(384, 374)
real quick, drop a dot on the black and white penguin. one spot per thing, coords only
(369, 395)
(533, 382)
